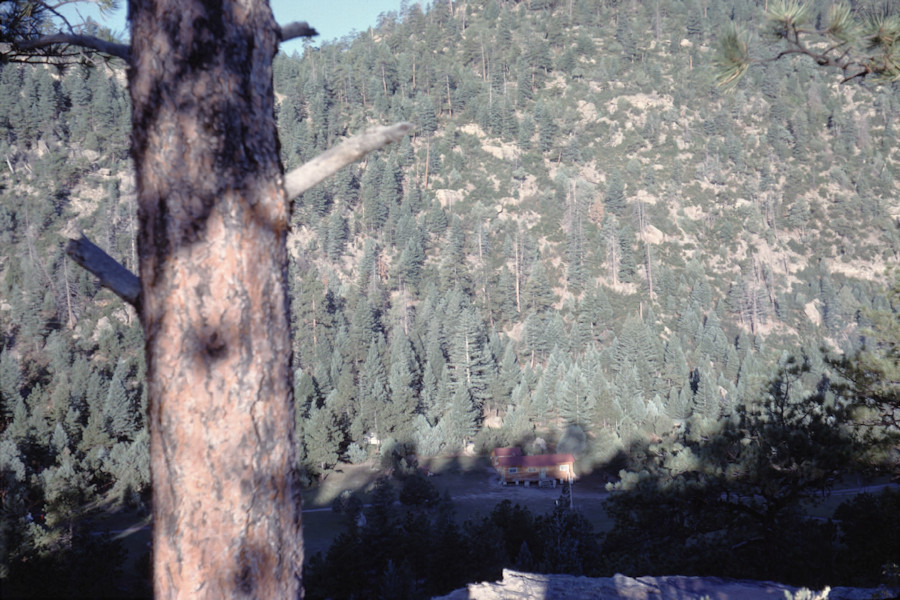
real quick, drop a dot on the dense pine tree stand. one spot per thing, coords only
(585, 244)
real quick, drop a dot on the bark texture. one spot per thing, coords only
(213, 270)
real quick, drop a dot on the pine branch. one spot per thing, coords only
(295, 30)
(323, 166)
(113, 276)
(859, 42)
(83, 41)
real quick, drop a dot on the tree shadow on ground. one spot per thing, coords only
(100, 554)
(730, 498)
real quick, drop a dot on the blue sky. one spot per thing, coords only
(332, 19)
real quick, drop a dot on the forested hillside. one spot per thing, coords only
(584, 241)
(584, 231)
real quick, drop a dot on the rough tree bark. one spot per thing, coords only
(212, 230)
(213, 208)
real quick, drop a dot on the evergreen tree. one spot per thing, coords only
(430, 396)
(453, 257)
(570, 545)
(460, 421)
(675, 367)
(625, 37)
(368, 277)
(375, 210)
(629, 395)
(548, 132)
(365, 329)
(615, 193)
(706, 406)
(392, 180)
(426, 118)
(404, 384)
(539, 293)
(576, 398)
(321, 438)
(336, 236)
(374, 396)
(471, 362)
(507, 378)
(534, 341)
(10, 382)
(119, 410)
(411, 261)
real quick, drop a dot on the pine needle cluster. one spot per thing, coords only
(862, 42)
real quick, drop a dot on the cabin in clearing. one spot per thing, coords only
(543, 469)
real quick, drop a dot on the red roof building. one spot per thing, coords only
(543, 469)
(498, 453)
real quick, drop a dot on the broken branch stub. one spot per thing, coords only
(127, 285)
(328, 163)
(113, 276)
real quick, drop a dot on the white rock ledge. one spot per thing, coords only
(530, 586)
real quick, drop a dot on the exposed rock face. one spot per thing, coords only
(530, 586)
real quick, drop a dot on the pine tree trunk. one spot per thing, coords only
(213, 267)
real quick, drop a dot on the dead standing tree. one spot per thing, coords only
(213, 212)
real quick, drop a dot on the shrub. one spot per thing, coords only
(418, 490)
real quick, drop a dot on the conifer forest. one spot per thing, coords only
(584, 244)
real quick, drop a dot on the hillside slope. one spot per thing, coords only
(584, 242)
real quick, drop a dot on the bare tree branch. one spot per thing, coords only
(287, 32)
(328, 163)
(297, 29)
(113, 276)
(126, 284)
(84, 41)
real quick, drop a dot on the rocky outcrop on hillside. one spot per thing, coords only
(516, 585)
